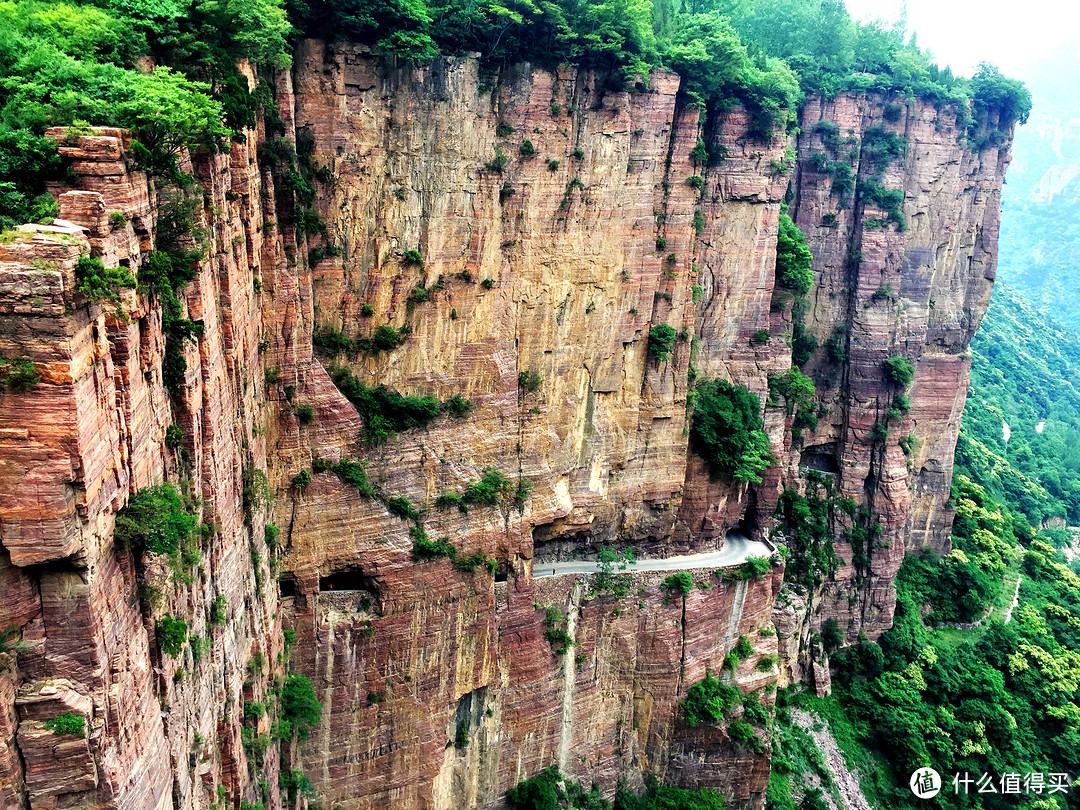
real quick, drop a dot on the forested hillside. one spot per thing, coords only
(78, 63)
(1002, 697)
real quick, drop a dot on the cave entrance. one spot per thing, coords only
(348, 579)
(820, 457)
(287, 586)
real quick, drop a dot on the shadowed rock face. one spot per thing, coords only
(918, 293)
(439, 687)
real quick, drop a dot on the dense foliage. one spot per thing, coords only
(75, 63)
(709, 701)
(155, 521)
(1025, 374)
(793, 258)
(728, 433)
(300, 706)
(67, 723)
(386, 412)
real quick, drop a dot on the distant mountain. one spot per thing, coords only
(1040, 230)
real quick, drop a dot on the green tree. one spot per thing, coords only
(299, 704)
(727, 431)
(793, 258)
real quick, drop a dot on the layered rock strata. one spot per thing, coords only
(554, 224)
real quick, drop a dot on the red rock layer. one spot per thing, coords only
(917, 292)
(587, 240)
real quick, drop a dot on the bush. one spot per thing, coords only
(413, 257)
(301, 480)
(419, 295)
(384, 412)
(553, 165)
(366, 310)
(530, 381)
(67, 723)
(666, 797)
(354, 474)
(18, 374)
(299, 704)
(305, 413)
(450, 500)
(219, 609)
(402, 507)
(795, 388)
(682, 582)
(154, 521)
(386, 338)
(490, 489)
(661, 341)
(709, 701)
(526, 148)
(540, 792)
(498, 163)
(330, 342)
(97, 282)
(424, 548)
(488, 283)
(832, 635)
(793, 258)
(696, 181)
(727, 431)
(761, 337)
(754, 568)
(174, 437)
(556, 636)
(171, 634)
(458, 406)
(899, 370)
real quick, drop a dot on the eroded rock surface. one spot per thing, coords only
(438, 685)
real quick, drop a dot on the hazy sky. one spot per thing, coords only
(961, 33)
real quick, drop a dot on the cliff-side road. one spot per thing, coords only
(737, 548)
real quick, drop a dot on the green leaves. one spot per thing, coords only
(793, 258)
(728, 433)
(661, 341)
(299, 704)
(709, 701)
(154, 521)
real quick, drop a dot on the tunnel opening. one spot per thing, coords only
(347, 580)
(287, 586)
(820, 457)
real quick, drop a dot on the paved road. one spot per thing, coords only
(735, 550)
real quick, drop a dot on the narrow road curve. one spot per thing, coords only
(737, 548)
(1015, 601)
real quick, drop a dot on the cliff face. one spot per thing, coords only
(438, 686)
(917, 292)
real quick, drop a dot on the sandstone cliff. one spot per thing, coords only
(438, 686)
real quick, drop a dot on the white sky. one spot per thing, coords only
(1013, 34)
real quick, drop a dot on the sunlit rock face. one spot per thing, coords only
(442, 687)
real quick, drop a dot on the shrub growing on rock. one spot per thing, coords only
(67, 723)
(171, 634)
(661, 341)
(299, 704)
(728, 433)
